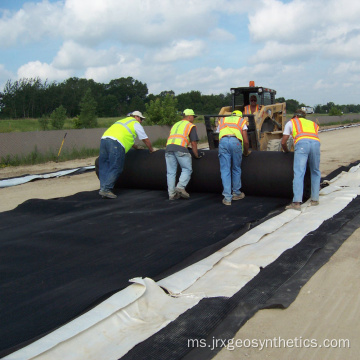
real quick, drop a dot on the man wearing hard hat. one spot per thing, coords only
(307, 150)
(233, 143)
(115, 143)
(182, 134)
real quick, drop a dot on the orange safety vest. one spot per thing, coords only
(179, 133)
(247, 109)
(304, 129)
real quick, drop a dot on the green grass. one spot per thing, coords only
(35, 157)
(24, 125)
(159, 143)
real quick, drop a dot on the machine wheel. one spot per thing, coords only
(274, 145)
(290, 143)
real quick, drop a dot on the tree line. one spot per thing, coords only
(33, 98)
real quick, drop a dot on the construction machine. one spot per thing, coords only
(265, 127)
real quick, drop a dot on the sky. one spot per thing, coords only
(307, 50)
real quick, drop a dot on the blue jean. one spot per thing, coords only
(306, 150)
(111, 163)
(230, 157)
(173, 158)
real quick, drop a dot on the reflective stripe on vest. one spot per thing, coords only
(304, 129)
(247, 109)
(179, 133)
(124, 132)
(231, 125)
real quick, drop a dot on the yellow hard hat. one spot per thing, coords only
(237, 113)
(188, 112)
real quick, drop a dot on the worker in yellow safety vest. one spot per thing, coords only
(117, 140)
(233, 143)
(307, 150)
(253, 107)
(182, 134)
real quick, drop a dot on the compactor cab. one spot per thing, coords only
(265, 127)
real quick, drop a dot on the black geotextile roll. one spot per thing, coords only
(264, 173)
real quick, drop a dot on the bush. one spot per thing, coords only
(87, 118)
(334, 111)
(162, 111)
(44, 122)
(58, 117)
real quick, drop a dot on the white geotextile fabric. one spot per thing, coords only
(113, 327)
(143, 308)
(24, 179)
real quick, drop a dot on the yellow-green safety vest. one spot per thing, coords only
(304, 129)
(179, 133)
(231, 126)
(124, 132)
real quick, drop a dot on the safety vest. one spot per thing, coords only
(304, 129)
(247, 109)
(231, 125)
(123, 131)
(179, 133)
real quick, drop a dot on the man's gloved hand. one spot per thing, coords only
(248, 153)
(200, 155)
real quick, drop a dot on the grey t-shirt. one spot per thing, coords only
(193, 137)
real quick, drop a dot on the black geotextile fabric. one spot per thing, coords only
(61, 257)
(277, 285)
(264, 173)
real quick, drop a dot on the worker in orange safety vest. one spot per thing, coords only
(233, 143)
(253, 107)
(307, 150)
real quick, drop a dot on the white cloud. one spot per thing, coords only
(215, 80)
(76, 56)
(322, 84)
(221, 35)
(180, 50)
(316, 28)
(183, 45)
(31, 23)
(344, 68)
(44, 71)
(123, 68)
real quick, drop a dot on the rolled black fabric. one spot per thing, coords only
(264, 173)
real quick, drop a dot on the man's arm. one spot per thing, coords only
(148, 144)
(245, 142)
(194, 148)
(283, 143)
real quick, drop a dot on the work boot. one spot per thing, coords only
(314, 203)
(182, 193)
(294, 206)
(107, 194)
(174, 197)
(226, 202)
(238, 197)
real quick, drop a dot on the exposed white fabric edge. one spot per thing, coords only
(233, 266)
(148, 314)
(114, 335)
(183, 279)
(105, 309)
(27, 178)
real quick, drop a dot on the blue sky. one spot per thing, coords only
(307, 50)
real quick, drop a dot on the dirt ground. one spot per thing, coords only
(328, 306)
